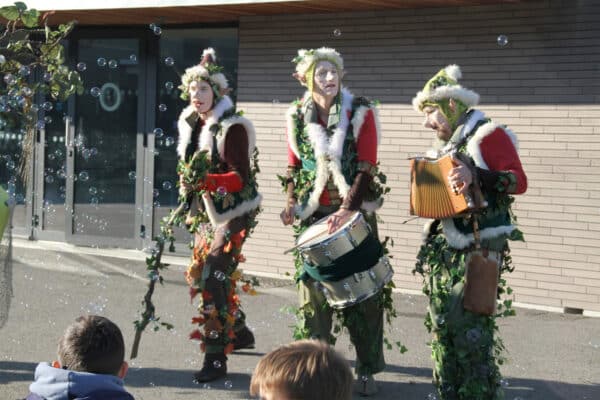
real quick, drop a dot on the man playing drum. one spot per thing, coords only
(464, 346)
(332, 158)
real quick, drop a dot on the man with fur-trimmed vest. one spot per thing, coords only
(332, 173)
(217, 178)
(464, 345)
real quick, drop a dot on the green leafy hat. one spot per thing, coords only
(307, 60)
(443, 86)
(207, 70)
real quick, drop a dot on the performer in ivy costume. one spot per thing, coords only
(222, 191)
(332, 171)
(465, 346)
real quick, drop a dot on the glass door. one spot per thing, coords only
(105, 143)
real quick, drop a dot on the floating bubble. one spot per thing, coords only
(86, 154)
(364, 378)
(504, 383)
(133, 58)
(58, 153)
(432, 396)
(93, 191)
(155, 193)
(101, 61)
(47, 106)
(167, 185)
(81, 66)
(220, 276)
(158, 132)
(84, 176)
(275, 101)
(40, 125)
(9, 79)
(214, 335)
(169, 61)
(162, 107)
(440, 320)
(217, 364)
(113, 64)
(156, 203)
(47, 76)
(48, 119)
(169, 85)
(24, 70)
(95, 91)
(27, 91)
(93, 151)
(169, 141)
(502, 40)
(157, 30)
(49, 179)
(337, 32)
(94, 201)
(228, 384)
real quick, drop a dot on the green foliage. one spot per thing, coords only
(31, 61)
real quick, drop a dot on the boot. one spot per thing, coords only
(244, 339)
(365, 385)
(214, 367)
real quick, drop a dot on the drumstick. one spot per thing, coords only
(308, 240)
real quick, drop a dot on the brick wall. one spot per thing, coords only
(544, 84)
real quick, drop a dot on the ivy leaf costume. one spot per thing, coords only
(333, 164)
(465, 346)
(224, 202)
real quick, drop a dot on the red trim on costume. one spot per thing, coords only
(366, 146)
(230, 181)
(500, 154)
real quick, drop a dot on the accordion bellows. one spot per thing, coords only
(430, 192)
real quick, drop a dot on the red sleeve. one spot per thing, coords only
(366, 146)
(292, 159)
(500, 154)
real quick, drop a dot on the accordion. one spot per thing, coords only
(430, 193)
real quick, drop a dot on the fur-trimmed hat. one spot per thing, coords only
(306, 61)
(207, 70)
(444, 85)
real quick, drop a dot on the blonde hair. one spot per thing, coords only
(304, 370)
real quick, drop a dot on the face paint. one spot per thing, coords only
(201, 96)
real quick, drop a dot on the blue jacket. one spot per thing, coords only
(60, 384)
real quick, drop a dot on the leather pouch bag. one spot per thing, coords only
(481, 285)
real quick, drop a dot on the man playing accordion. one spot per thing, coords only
(464, 346)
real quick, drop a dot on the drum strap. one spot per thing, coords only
(365, 256)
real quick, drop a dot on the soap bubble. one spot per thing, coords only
(502, 40)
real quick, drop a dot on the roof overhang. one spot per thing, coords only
(139, 12)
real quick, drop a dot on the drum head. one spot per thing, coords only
(317, 232)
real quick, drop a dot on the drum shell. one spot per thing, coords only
(357, 287)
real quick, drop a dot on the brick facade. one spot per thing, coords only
(544, 84)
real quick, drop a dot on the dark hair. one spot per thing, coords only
(304, 370)
(92, 344)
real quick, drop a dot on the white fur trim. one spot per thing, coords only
(458, 240)
(473, 146)
(453, 71)
(320, 54)
(185, 130)
(228, 123)
(217, 219)
(212, 53)
(322, 174)
(457, 92)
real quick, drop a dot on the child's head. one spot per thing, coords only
(93, 344)
(302, 370)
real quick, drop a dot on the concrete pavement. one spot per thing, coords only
(550, 356)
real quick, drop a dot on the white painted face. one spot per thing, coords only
(434, 119)
(201, 96)
(326, 79)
